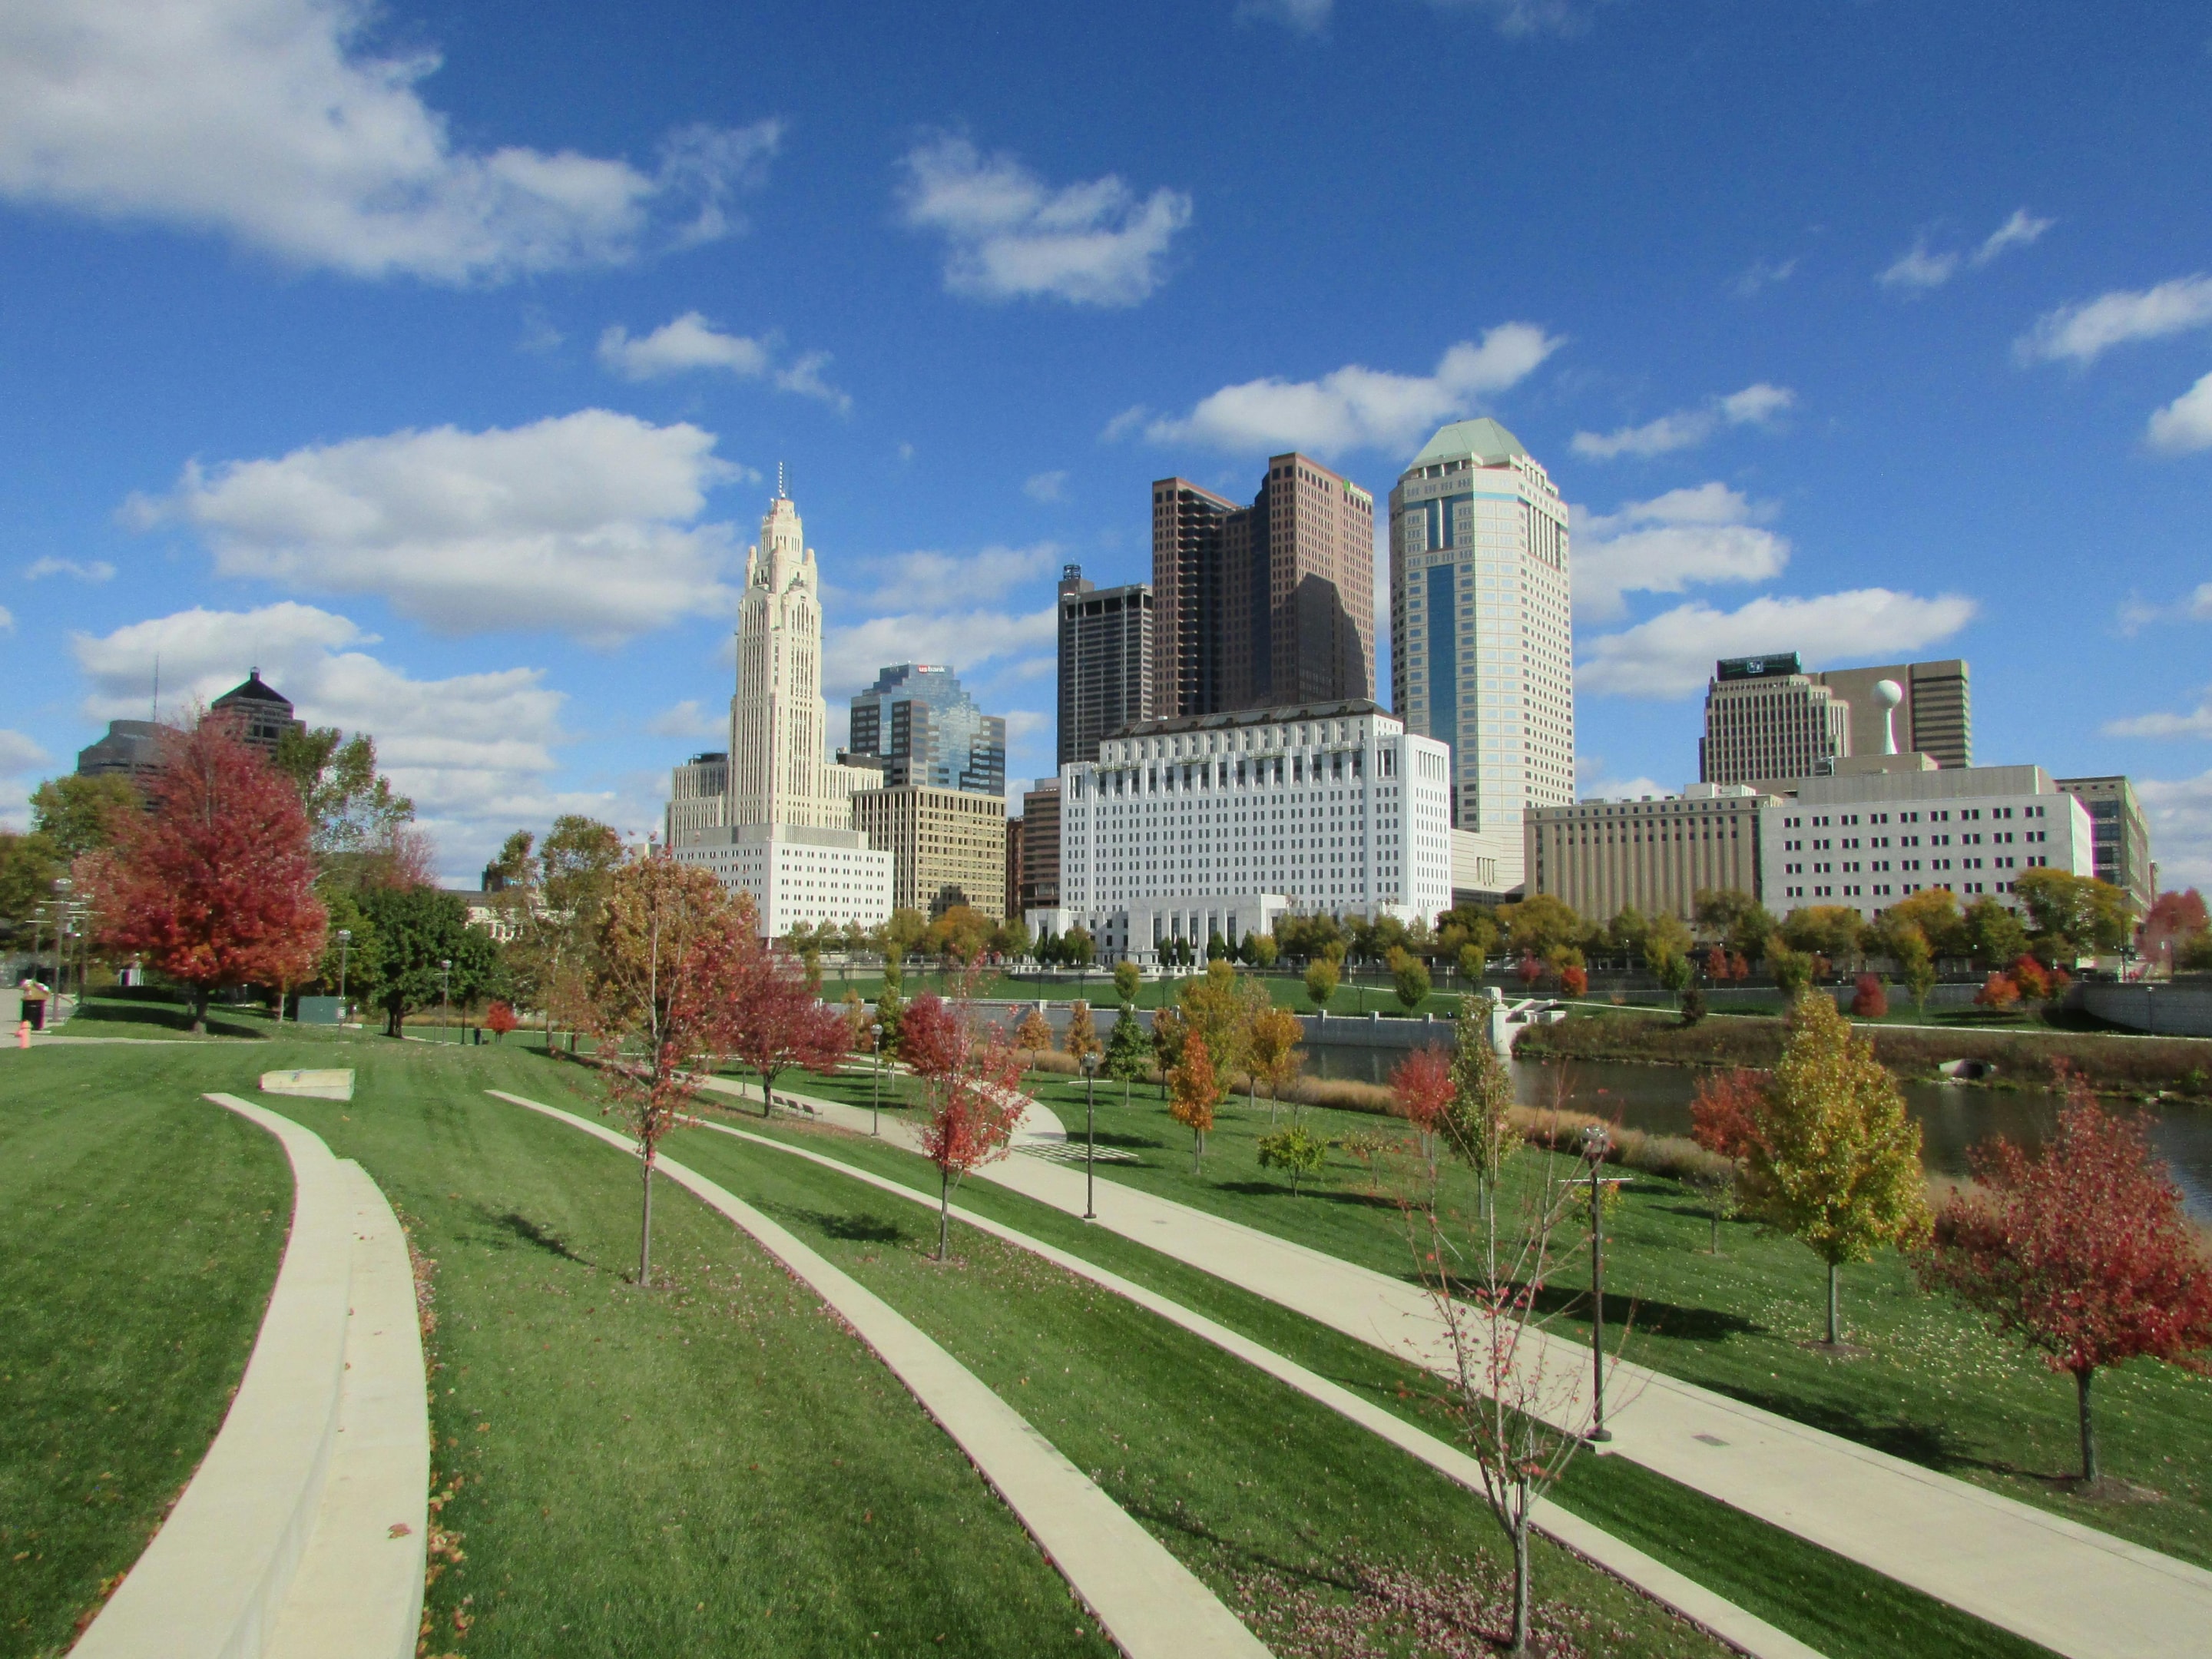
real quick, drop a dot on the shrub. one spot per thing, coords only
(1871, 1000)
(499, 1020)
(1693, 1006)
(1295, 1150)
(1998, 991)
(1574, 980)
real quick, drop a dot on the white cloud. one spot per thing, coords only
(2196, 723)
(2185, 424)
(1021, 724)
(1355, 408)
(1757, 404)
(2021, 230)
(7, 621)
(1916, 269)
(1684, 537)
(1299, 17)
(475, 750)
(853, 654)
(1765, 273)
(1046, 487)
(1519, 19)
(95, 570)
(687, 719)
(20, 759)
(690, 342)
(2180, 814)
(2085, 332)
(274, 121)
(931, 580)
(1124, 423)
(588, 523)
(1672, 655)
(1010, 234)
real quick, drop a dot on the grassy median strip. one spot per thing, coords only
(1836, 1606)
(142, 1229)
(1934, 1387)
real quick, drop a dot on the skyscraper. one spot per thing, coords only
(1766, 721)
(1105, 661)
(922, 727)
(1262, 605)
(1482, 640)
(777, 761)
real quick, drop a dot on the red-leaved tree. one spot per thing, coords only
(775, 1022)
(1724, 1111)
(973, 1095)
(214, 885)
(931, 1038)
(1869, 999)
(1998, 991)
(498, 1019)
(2080, 1250)
(1422, 1092)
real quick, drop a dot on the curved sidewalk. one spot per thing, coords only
(2075, 1590)
(1149, 1603)
(302, 1532)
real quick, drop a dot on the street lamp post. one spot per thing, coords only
(63, 886)
(345, 941)
(1089, 1061)
(876, 1104)
(446, 992)
(1595, 1144)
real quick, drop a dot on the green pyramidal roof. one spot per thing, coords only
(1483, 440)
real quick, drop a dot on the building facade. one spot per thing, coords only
(1937, 717)
(798, 875)
(258, 714)
(1040, 836)
(1481, 634)
(778, 758)
(1105, 661)
(1265, 605)
(1601, 856)
(1765, 719)
(1220, 823)
(132, 748)
(918, 724)
(2120, 837)
(1871, 834)
(947, 847)
(698, 797)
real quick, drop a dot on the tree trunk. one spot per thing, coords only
(199, 1010)
(2088, 1427)
(1520, 1592)
(1835, 1325)
(1716, 1214)
(944, 1210)
(768, 1094)
(644, 1231)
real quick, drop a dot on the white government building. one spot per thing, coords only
(1220, 823)
(773, 817)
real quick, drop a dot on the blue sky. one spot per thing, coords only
(439, 359)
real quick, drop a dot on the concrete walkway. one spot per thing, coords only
(1149, 1603)
(1732, 1623)
(301, 1535)
(2075, 1590)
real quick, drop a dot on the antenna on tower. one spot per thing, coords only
(153, 707)
(780, 495)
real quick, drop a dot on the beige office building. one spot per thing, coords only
(1937, 717)
(1601, 856)
(2120, 836)
(948, 846)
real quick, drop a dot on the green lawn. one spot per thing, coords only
(1239, 1501)
(1934, 1385)
(142, 1229)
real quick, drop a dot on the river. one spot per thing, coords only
(1953, 1117)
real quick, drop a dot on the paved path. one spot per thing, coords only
(2075, 1590)
(1151, 1604)
(1741, 1629)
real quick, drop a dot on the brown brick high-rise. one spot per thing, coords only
(1266, 604)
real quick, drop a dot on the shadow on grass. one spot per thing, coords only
(1318, 1194)
(1928, 1444)
(166, 1016)
(852, 1229)
(531, 1232)
(1649, 1317)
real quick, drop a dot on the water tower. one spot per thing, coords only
(1888, 694)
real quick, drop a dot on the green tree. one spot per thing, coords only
(1321, 982)
(1128, 981)
(902, 931)
(77, 815)
(1934, 912)
(1735, 919)
(1540, 926)
(1082, 1037)
(417, 929)
(1792, 970)
(1835, 1160)
(1218, 1008)
(1993, 935)
(1296, 1151)
(1478, 1125)
(361, 955)
(1916, 963)
(1011, 941)
(28, 867)
(890, 1004)
(355, 816)
(1823, 930)
(1264, 951)
(1409, 978)
(1127, 1050)
(2072, 915)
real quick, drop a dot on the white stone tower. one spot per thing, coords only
(777, 761)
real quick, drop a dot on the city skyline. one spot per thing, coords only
(472, 472)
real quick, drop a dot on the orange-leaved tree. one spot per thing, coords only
(1422, 1092)
(214, 885)
(973, 1095)
(673, 948)
(775, 1021)
(1724, 1111)
(1193, 1090)
(2079, 1249)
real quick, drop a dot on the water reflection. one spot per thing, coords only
(1953, 1117)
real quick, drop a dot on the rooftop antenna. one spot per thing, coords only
(154, 707)
(780, 495)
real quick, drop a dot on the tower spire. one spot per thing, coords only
(780, 494)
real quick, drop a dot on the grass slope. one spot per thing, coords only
(142, 1228)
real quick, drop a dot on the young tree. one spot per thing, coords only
(2072, 915)
(1835, 1163)
(1218, 1009)
(890, 1006)
(930, 1039)
(1477, 1126)
(1409, 978)
(1422, 1092)
(774, 1023)
(1792, 971)
(358, 820)
(1537, 926)
(1168, 1035)
(1034, 1033)
(1321, 982)
(416, 930)
(1270, 1051)
(1194, 1092)
(1127, 1050)
(1725, 1110)
(2080, 1250)
(1916, 963)
(672, 950)
(1869, 1000)
(2176, 920)
(1993, 935)
(215, 886)
(1128, 981)
(1998, 991)
(498, 1019)
(1574, 980)
(1295, 1150)
(1264, 950)
(1082, 1037)
(975, 1102)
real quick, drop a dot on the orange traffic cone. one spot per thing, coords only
(23, 1035)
